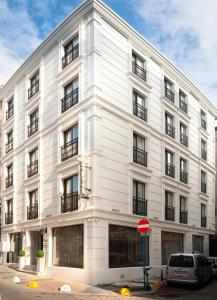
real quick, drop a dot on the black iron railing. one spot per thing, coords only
(170, 130)
(33, 127)
(203, 124)
(9, 112)
(9, 217)
(203, 221)
(169, 94)
(9, 181)
(184, 139)
(34, 88)
(140, 111)
(70, 56)
(170, 213)
(140, 156)
(203, 153)
(69, 202)
(69, 149)
(184, 176)
(140, 206)
(9, 146)
(32, 211)
(183, 218)
(32, 168)
(139, 71)
(69, 100)
(203, 187)
(170, 170)
(183, 106)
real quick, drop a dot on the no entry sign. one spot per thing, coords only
(143, 226)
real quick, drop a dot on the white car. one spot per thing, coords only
(213, 260)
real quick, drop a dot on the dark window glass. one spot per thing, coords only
(181, 261)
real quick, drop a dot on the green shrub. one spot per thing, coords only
(21, 253)
(40, 253)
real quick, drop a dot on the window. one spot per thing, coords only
(139, 109)
(9, 144)
(32, 209)
(203, 149)
(9, 178)
(68, 246)
(71, 52)
(9, 212)
(203, 215)
(182, 102)
(169, 208)
(181, 261)
(183, 218)
(169, 166)
(171, 242)
(139, 201)
(33, 163)
(70, 147)
(138, 66)
(139, 154)
(169, 128)
(168, 86)
(197, 244)
(183, 135)
(33, 126)
(125, 247)
(203, 119)
(70, 95)
(70, 194)
(10, 110)
(203, 182)
(34, 85)
(183, 171)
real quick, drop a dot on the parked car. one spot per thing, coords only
(188, 268)
(213, 260)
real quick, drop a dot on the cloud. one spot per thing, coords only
(185, 31)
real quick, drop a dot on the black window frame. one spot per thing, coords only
(139, 204)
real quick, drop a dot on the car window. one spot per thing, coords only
(181, 261)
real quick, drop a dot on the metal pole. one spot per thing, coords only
(142, 238)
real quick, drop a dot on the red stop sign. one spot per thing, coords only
(143, 226)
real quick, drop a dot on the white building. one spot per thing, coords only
(100, 130)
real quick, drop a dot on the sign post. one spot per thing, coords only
(143, 229)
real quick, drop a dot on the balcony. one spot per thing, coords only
(69, 202)
(33, 127)
(170, 213)
(203, 187)
(183, 218)
(170, 170)
(9, 112)
(33, 89)
(9, 218)
(203, 124)
(140, 156)
(139, 71)
(203, 154)
(32, 211)
(184, 139)
(169, 94)
(9, 146)
(140, 111)
(170, 130)
(69, 100)
(184, 177)
(9, 181)
(32, 168)
(69, 150)
(140, 206)
(203, 221)
(70, 56)
(183, 106)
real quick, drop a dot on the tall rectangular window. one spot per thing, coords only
(203, 182)
(182, 102)
(138, 66)
(168, 87)
(9, 178)
(9, 144)
(169, 208)
(70, 95)
(183, 135)
(9, 212)
(139, 199)
(33, 123)
(169, 128)
(10, 110)
(139, 108)
(32, 168)
(71, 52)
(183, 170)
(34, 85)
(203, 119)
(32, 208)
(139, 153)
(203, 215)
(169, 164)
(69, 200)
(203, 149)
(183, 218)
(70, 147)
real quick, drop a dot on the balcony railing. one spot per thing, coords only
(140, 111)
(184, 139)
(139, 71)
(140, 156)
(32, 168)
(9, 112)
(203, 124)
(203, 221)
(70, 56)
(9, 218)
(69, 149)
(183, 106)
(170, 130)
(170, 170)
(9, 181)
(69, 202)
(169, 94)
(140, 206)
(32, 211)
(170, 213)
(184, 176)
(183, 217)
(33, 127)
(69, 100)
(204, 154)
(203, 187)
(9, 146)
(33, 89)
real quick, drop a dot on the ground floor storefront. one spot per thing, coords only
(100, 247)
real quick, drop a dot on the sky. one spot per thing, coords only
(185, 31)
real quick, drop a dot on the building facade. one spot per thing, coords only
(99, 131)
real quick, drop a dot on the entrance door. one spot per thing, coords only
(36, 244)
(15, 246)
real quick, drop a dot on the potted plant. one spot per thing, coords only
(40, 261)
(21, 260)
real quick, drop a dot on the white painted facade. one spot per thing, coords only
(106, 125)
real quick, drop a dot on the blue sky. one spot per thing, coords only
(184, 31)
